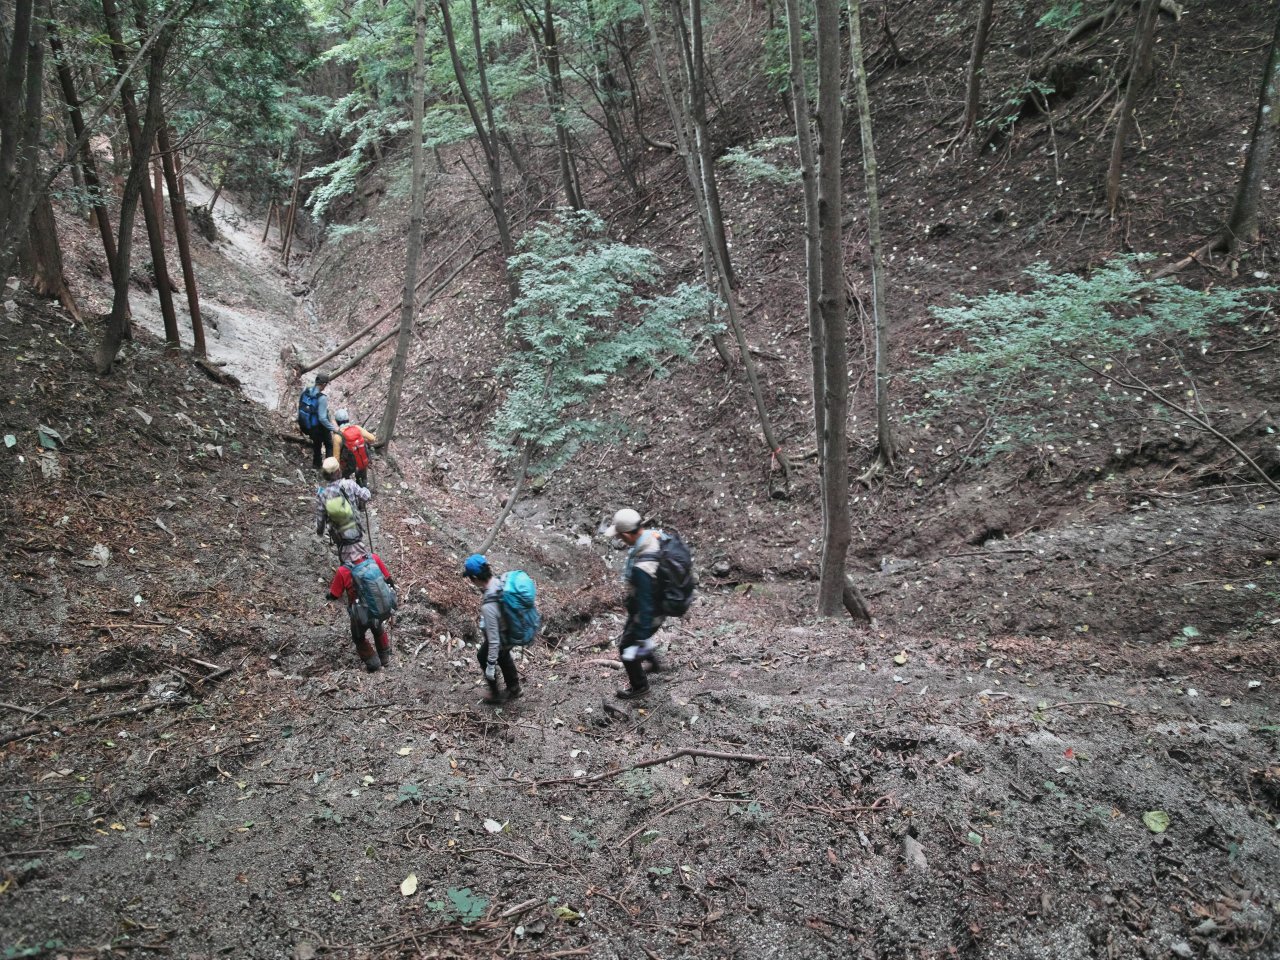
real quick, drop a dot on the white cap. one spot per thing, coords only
(625, 520)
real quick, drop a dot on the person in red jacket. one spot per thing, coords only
(351, 444)
(364, 621)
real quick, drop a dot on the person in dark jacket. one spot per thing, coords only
(321, 428)
(494, 653)
(640, 575)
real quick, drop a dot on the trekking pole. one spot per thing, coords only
(368, 524)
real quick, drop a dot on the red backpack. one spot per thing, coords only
(353, 440)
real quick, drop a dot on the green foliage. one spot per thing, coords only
(580, 319)
(1038, 345)
(748, 163)
(465, 905)
(1014, 100)
(1062, 15)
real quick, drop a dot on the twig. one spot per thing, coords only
(707, 798)
(27, 710)
(95, 718)
(685, 752)
(1087, 703)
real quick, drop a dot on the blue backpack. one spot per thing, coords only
(309, 409)
(519, 608)
(372, 589)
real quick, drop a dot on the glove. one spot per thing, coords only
(491, 672)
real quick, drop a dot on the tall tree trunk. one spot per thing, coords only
(21, 93)
(89, 168)
(489, 145)
(141, 154)
(694, 139)
(48, 277)
(413, 248)
(973, 80)
(287, 227)
(812, 251)
(1139, 68)
(1242, 226)
(879, 307)
(556, 101)
(182, 233)
(117, 328)
(833, 456)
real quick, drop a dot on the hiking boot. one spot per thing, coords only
(654, 664)
(632, 693)
(373, 664)
(514, 693)
(493, 696)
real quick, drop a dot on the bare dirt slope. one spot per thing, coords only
(1072, 647)
(193, 765)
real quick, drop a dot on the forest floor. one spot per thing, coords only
(1059, 737)
(194, 764)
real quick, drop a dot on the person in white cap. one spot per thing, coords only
(640, 574)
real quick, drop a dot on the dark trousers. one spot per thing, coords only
(505, 663)
(361, 627)
(631, 651)
(321, 439)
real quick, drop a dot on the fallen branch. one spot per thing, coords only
(1198, 421)
(95, 718)
(685, 752)
(1087, 703)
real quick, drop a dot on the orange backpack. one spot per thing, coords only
(353, 440)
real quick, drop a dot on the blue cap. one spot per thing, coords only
(474, 564)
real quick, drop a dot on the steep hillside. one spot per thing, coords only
(1057, 738)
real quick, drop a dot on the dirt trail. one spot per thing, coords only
(247, 301)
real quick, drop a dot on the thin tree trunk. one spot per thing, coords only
(413, 248)
(973, 80)
(879, 306)
(812, 251)
(48, 277)
(89, 169)
(21, 93)
(271, 212)
(546, 35)
(833, 454)
(1242, 225)
(140, 149)
(287, 243)
(486, 134)
(1139, 68)
(697, 143)
(512, 498)
(182, 233)
(117, 327)
(157, 192)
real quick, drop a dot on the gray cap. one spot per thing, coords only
(322, 377)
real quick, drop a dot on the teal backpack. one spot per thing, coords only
(519, 608)
(372, 589)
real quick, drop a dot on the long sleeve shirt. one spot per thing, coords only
(355, 493)
(641, 577)
(491, 620)
(322, 414)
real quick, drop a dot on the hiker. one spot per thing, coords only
(498, 632)
(371, 601)
(337, 506)
(351, 446)
(313, 419)
(659, 579)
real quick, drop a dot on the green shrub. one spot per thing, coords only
(1050, 347)
(580, 319)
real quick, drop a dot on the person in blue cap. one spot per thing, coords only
(494, 653)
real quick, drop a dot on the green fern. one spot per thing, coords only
(581, 318)
(1039, 346)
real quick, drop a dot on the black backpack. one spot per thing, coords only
(676, 581)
